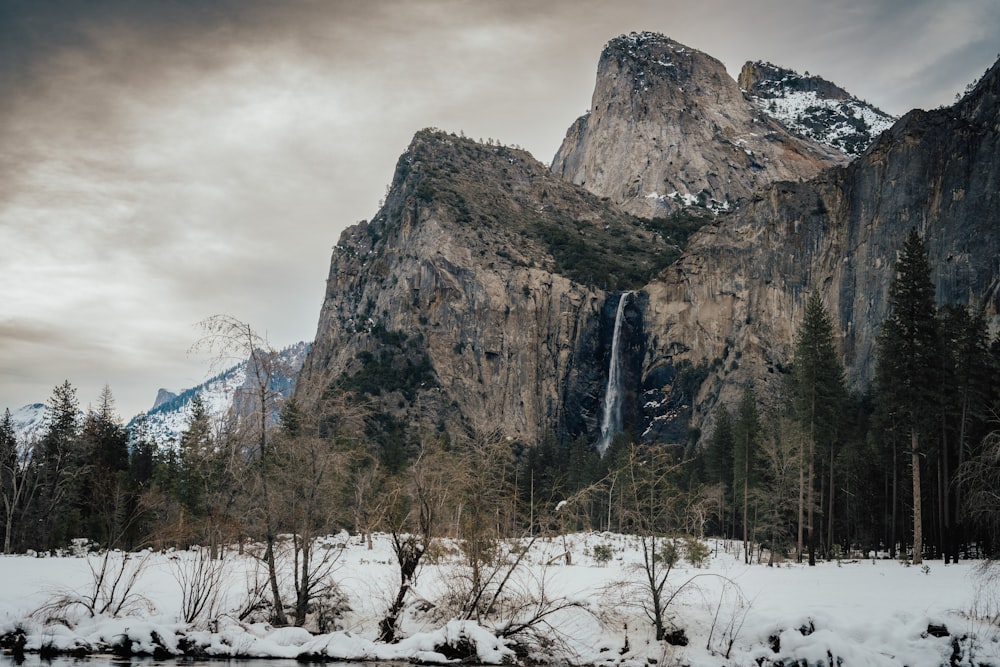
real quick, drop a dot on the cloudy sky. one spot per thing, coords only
(162, 161)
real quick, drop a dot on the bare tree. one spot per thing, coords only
(308, 472)
(17, 479)
(649, 494)
(111, 589)
(979, 478)
(369, 498)
(200, 577)
(231, 339)
(782, 456)
(416, 511)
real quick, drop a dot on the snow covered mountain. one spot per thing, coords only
(170, 413)
(814, 108)
(29, 421)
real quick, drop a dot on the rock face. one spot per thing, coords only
(482, 296)
(163, 396)
(736, 296)
(814, 108)
(474, 298)
(232, 391)
(668, 127)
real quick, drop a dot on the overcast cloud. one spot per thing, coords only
(166, 160)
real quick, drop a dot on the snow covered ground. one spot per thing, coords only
(861, 612)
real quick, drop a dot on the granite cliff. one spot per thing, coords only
(668, 127)
(482, 296)
(734, 299)
(476, 297)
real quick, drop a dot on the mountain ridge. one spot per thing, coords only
(491, 284)
(168, 418)
(813, 108)
(668, 128)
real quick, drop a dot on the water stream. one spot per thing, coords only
(611, 419)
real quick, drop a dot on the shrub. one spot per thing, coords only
(697, 551)
(602, 554)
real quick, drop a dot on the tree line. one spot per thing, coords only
(900, 469)
(906, 468)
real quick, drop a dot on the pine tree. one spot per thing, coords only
(195, 455)
(60, 464)
(907, 370)
(965, 388)
(719, 463)
(746, 435)
(818, 399)
(291, 418)
(105, 501)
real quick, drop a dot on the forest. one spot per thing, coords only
(908, 470)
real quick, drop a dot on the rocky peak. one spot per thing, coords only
(669, 128)
(814, 108)
(476, 298)
(763, 79)
(163, 396)
(657, 68)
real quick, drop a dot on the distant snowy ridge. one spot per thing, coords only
(29, 421)
(170, 414)
(814, 108)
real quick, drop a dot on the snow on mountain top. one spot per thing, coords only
(29, 421)
(848, 126)
(646, 45)
(815, 108)
(169, 417)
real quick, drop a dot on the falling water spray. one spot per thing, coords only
(611, 419)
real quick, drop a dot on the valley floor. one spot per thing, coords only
(857, 612)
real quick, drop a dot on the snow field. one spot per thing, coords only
(858, 612)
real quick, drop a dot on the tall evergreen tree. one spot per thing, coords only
(60, 464)
(195, 458)
(746, 437)
(719, 465)
(105, 501)
(818, 399)
(907, 369)
(967, 375)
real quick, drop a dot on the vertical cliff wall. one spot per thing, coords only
(473, 299)
(737, 295)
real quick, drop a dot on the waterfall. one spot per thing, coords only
(611, 420)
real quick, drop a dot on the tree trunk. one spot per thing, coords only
(829, 518)
(746, 493)
(918, 526)
(802, 494)
(810, 526)
(408, 555)
(942, 511)
(304, 583)
(959, 537)
(895, 502)
(7, 527)
(272, 575)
